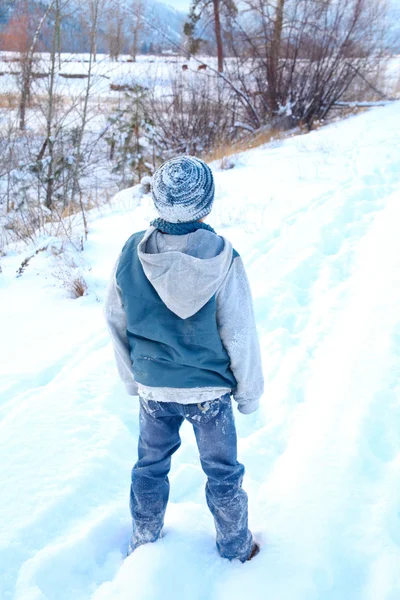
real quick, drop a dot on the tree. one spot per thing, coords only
(211, 11)
(16, 36)
(50, 138)
(22, 35)
(130, 137)
(137, 26)
(115, 30)
(94, 9)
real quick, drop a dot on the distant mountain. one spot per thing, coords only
(166, 18)
(5, 11)
(162, 27)
(161, 31)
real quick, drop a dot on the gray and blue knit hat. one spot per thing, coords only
(183, 189)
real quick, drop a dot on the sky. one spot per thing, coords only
(178, 4)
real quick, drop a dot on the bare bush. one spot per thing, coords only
(22, 268)
(199, 113)
(291, 62)
(70, 276)
(296, 59)
(52, 167)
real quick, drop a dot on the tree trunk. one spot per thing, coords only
(78, 155)
(218, 36)
(273, 62)
(26, 70)
(50, 112)
(134, 46)
(137, 12)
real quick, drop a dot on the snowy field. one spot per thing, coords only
(316, 219)
(149, 71)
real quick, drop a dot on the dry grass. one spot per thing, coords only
(28, 226)
(63, 223)
(2, 251)
(225, 153)
(77, 287)
(9, 101)
(74, 208)
(22, 227)
(70, 277)
(397, 89)
(259, 138)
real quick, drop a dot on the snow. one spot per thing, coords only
(148, 71)
(315, 218)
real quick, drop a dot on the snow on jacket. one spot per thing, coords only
(180, 314)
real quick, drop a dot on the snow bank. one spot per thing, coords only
(316, 220)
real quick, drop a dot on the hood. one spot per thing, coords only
(185, 270)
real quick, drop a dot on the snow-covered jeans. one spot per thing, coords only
(214, 428)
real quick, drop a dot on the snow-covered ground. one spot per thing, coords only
(316, 219)
(148, 71)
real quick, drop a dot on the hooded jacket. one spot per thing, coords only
(180, 314)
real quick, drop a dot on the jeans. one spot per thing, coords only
(214, 428)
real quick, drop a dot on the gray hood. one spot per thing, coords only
(185, 270)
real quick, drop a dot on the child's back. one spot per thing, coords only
(180, 314)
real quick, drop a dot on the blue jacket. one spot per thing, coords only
(167, 350)
(180, 314)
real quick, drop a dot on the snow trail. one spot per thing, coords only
(316, 220)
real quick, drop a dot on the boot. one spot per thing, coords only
(254, 551)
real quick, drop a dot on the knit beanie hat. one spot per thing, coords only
(183, 189)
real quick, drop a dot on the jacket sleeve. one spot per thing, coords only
(237, 328)
(116, 321)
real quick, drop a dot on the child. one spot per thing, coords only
(180, 314)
